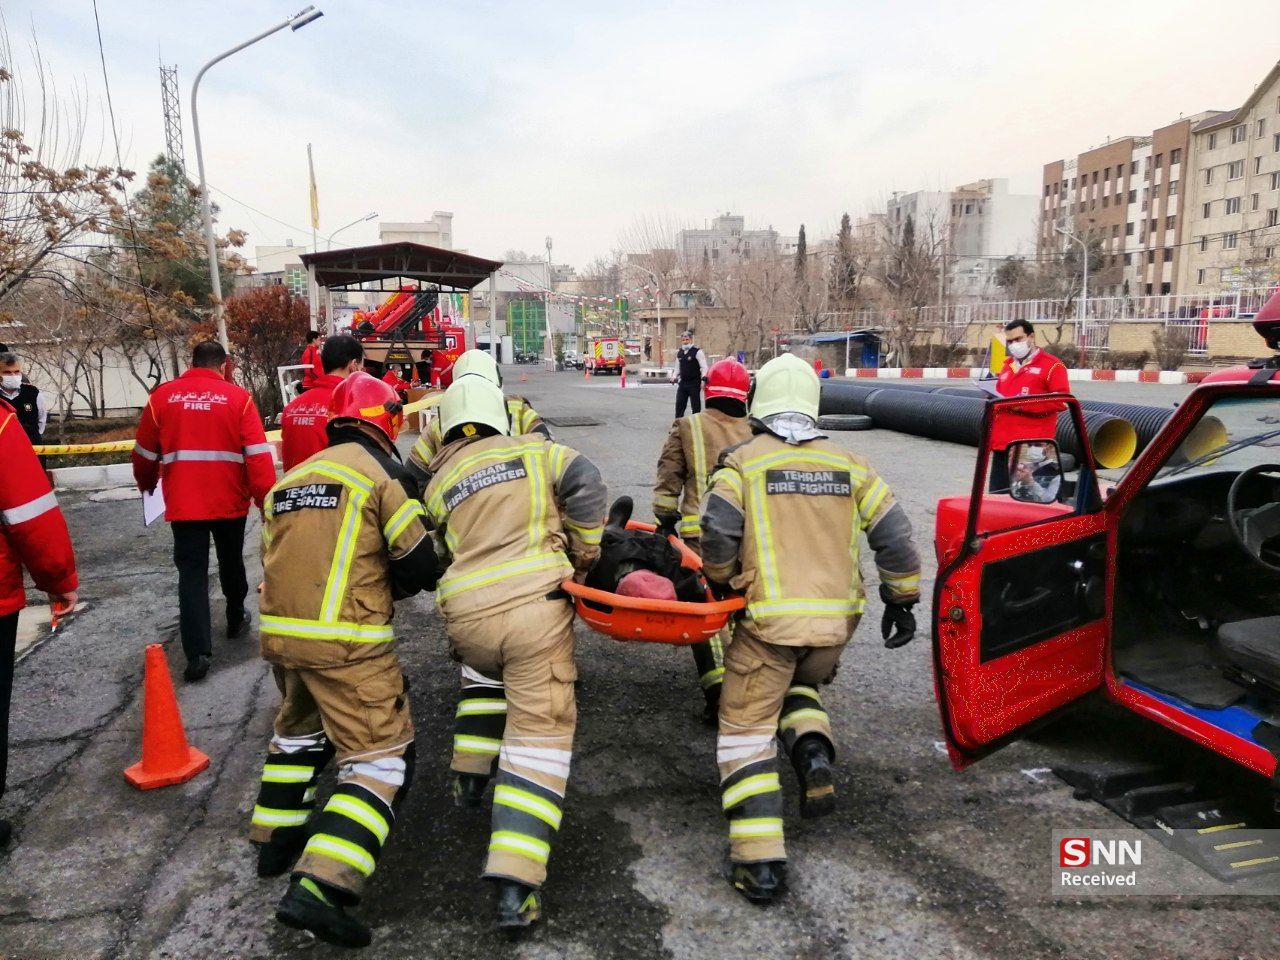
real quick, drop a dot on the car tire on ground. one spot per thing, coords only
(845, 421)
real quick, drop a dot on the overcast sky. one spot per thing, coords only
(576, 119)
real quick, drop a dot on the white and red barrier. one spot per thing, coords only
(973, 373)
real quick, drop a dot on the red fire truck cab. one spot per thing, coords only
(1160, 589)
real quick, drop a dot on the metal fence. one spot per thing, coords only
(1227, 304)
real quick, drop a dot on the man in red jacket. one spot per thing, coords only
(33, 534)
(311, 360)
(203, 438)
(303, 422)
(1028, 371)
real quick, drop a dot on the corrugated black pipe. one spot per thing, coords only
(1147, 421)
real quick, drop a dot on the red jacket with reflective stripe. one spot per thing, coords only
(33, 532)
(311, 357)
(303, 422)
(1040, 373)
(203, 437)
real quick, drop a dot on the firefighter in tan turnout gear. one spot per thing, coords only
(523, 418)
(342, 539)
(782, 523)
(517, 515)
(684, 472)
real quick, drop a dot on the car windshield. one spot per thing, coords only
(1231, 435)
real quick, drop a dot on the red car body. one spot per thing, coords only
(988, 691)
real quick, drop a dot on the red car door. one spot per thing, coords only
(1019, 609)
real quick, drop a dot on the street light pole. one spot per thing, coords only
(551, 349)
(365, 218)
(295, 22)
(1084, 254)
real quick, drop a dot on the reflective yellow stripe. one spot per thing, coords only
(665, 501)
(588, 535)
(557, 455)
(477, 706)
(699, 456)
(335, 587)
(766, 560)
(756, 827)
(422, 450)
(795, 455)
(320, 630)
(691, 525)
(548, 813)
(804, 607)
(481, 745)
(870, 503)
(809, 692)
(537, 502)
(487, 575)
(795, 717)
(335, 848)
(268, 817)
(519, 843)
(328, 468)
(359, 811)
(401, 519)
(712, 677)
(284, 773)
(750, 787)
(729, 476)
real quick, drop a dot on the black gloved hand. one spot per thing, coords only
(721, 591)
(667, 525)
(898, 625)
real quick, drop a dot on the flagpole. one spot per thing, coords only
(313, 289)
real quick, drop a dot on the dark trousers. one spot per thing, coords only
(191, 557)
(998, 478)
(8, 642)
(688, 392)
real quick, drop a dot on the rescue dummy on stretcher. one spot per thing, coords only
(648, 587)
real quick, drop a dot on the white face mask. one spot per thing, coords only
(11, 382)
(1020, 349)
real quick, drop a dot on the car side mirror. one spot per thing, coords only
(1035, 471)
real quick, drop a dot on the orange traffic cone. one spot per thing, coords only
(166, 757)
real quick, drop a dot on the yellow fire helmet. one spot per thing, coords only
(470, 401)
(785, 384)
(479, 363)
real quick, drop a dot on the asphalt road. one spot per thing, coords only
(919, 861)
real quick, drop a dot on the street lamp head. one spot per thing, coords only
(303, 17)
(371, 216)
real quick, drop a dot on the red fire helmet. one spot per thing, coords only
(728, 378)
(363, 396)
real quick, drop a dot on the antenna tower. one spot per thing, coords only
(172, 116)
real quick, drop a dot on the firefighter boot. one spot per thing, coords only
(278, 854)
(711, 711)
(811, 758)
(761, 882)
(306, 906)
(468, 790)
(519, 906)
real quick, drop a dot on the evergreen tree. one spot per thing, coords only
(802, 262)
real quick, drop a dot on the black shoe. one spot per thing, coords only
(811, 759)
(519, 906)
(305, 907)
(277, 856)
(468, 790)
(196, 668)
(6, 832)
(711, 710)
(760, 882)
(237, 622)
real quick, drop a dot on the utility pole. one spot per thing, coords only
(1084, 253)
(551, 347)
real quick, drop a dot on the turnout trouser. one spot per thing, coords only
(529, 651)
(191, 557)
(708, 656)
(358, 711)
(8, 645)
(688, 392)
(770, 691)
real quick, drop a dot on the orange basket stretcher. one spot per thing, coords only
(676, 622)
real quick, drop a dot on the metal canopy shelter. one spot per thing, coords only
(360, 267)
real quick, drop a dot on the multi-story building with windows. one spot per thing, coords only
(728, 239)
(1234, 197)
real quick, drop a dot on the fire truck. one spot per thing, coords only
(605, 355)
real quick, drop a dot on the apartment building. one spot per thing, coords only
(1129, 194)
(986, 225)
(726, 238)
(1234, 198)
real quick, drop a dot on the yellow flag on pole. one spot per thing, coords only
(315, 197)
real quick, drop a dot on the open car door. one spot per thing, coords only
(1019, 605)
